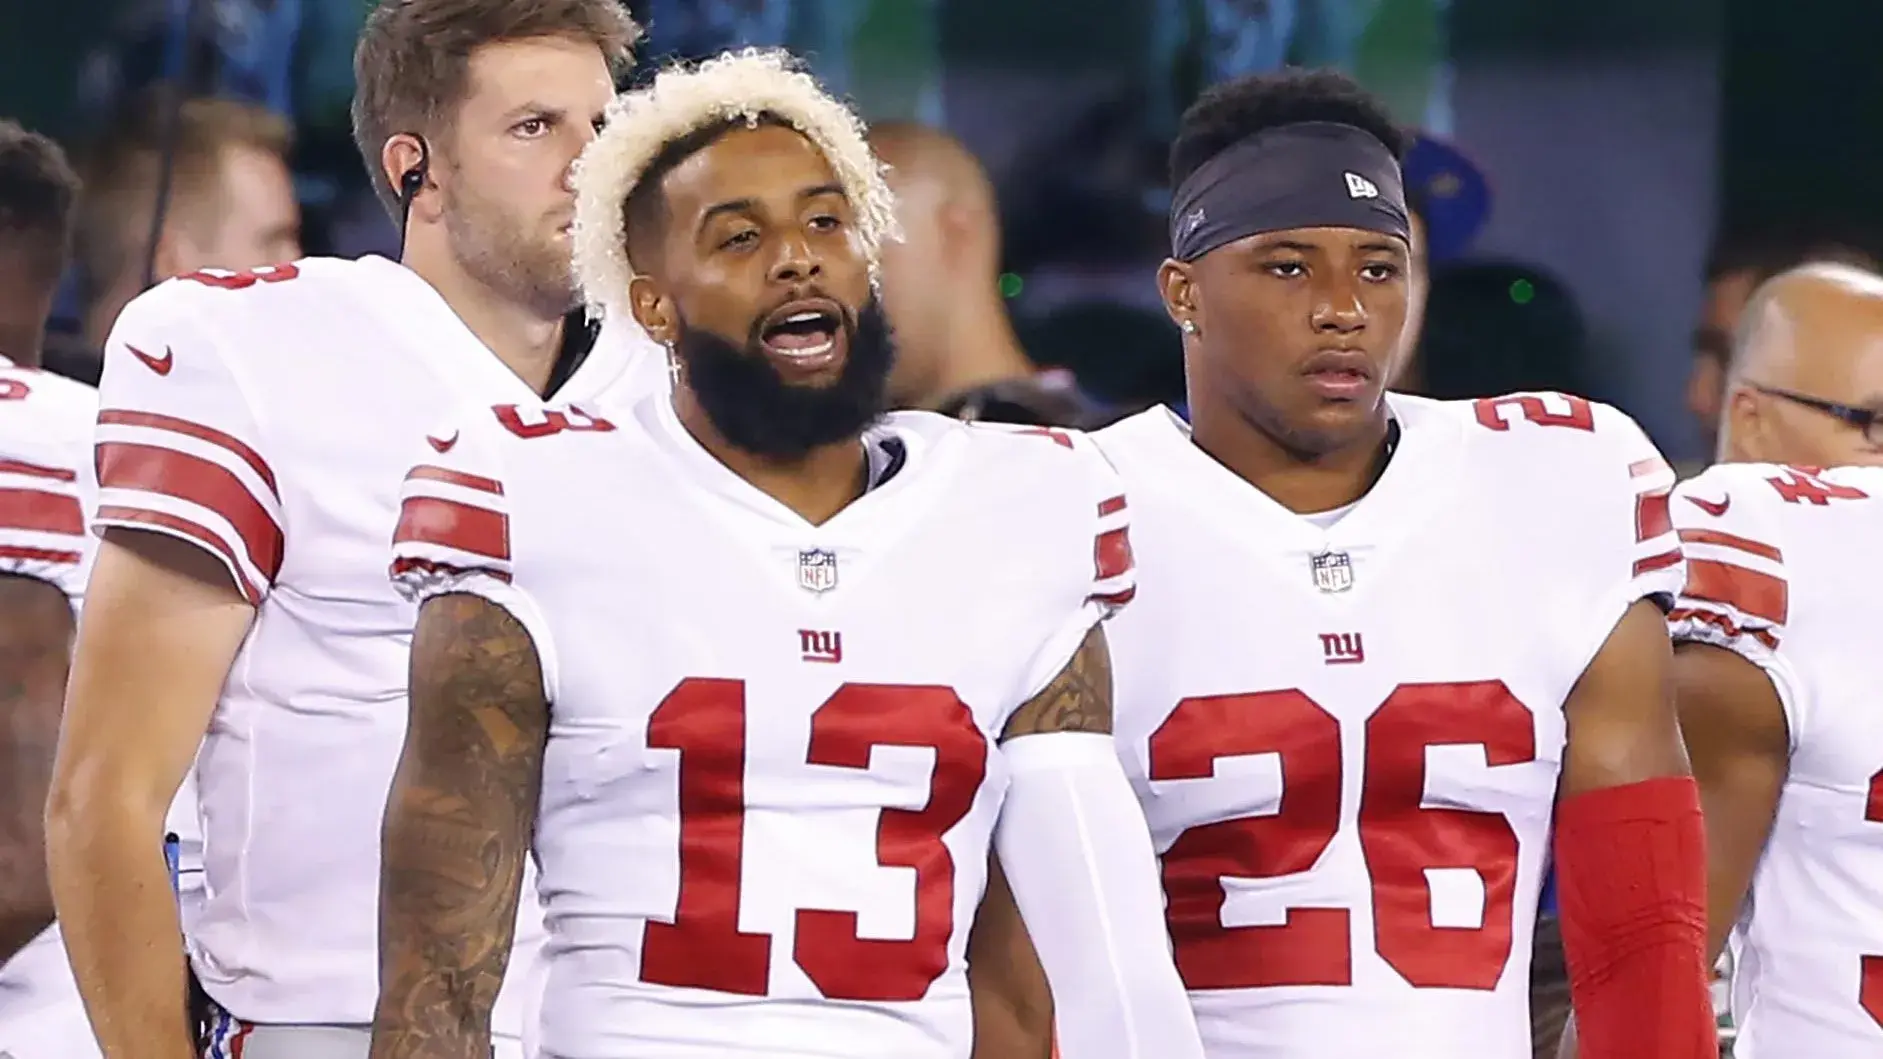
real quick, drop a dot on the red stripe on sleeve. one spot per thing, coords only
(1748, 591)
(1723, 623)
(1731, 540)
(1652, 517)
(447, 475)
(34, 470)
(1656, 562)
(167, 472)
(409, 565)
(20, 553)
(1114, 599)
(1111, 507)
(449, 524)
(185, 528)
(1111, 554)
(41, 512)
(154, 421)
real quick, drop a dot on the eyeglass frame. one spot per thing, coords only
(1868, 421)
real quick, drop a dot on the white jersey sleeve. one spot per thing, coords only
(1649, 556)
(179, 451)
(453, 534)
(45, 477)
(1112, 580)
(1737, 593)
(1608, 489)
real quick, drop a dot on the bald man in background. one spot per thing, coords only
(956, 350)
(1737, 265)
(1774, 663)
(1805, 378)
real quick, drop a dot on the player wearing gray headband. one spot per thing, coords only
(1388, 656)
(1289, 274)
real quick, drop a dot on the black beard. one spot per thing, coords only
(758, 412)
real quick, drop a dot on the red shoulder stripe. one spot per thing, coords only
(1747, 591)
(34, 470)
(185, 528)
(1731, 540)
(450, 524)
(155, 421)
(167, 472)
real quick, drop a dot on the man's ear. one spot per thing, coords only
(653, 310)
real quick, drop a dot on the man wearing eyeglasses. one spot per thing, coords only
(1776, 669)
(1805, 383)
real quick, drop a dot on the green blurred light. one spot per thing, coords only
(1522, 291)
(1011, 285)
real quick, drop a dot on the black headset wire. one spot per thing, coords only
(171, 134)
(411, 182)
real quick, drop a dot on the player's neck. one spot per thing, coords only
(817, 485)
(526, 339)
(1305, 483)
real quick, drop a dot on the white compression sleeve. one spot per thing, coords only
(1078, 855)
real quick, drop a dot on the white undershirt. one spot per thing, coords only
(1326, 519)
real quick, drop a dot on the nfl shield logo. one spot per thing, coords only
(1333, 571)
(817, 570)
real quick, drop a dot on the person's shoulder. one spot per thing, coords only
(1564, 442)
(50, 400)
(1774, 505)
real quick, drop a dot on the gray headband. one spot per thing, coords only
(1314, 174)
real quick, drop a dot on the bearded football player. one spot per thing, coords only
(759, 675)
(1384, 648)
(251, 442)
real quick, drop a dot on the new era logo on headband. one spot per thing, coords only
(1359, 187)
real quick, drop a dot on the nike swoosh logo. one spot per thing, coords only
(1716, 508)
(160, 365)
(443, 444)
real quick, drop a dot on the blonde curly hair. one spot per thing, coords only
(749, 85)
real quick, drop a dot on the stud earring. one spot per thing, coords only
(1189, 327)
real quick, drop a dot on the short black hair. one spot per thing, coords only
(1766, 252)
(644, 213)
(1234, 110)
(38, 199)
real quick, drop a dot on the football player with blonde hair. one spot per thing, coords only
(826, 661)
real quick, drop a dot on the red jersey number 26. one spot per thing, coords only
(1400, 838)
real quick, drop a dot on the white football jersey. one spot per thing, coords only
(772, 772)
(1784, 568)
(267, 418)
(46, 487)
(1346, 731)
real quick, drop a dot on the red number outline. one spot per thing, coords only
(703, 948)
(555, 421)
(1804, 486)
(1870, 974)
(1400, 838)
(243, 280)
(1490, 415)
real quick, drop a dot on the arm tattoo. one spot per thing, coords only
(458, 826)
(35, 649)
(1077, 700)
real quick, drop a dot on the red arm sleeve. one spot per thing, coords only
(1631, 886)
